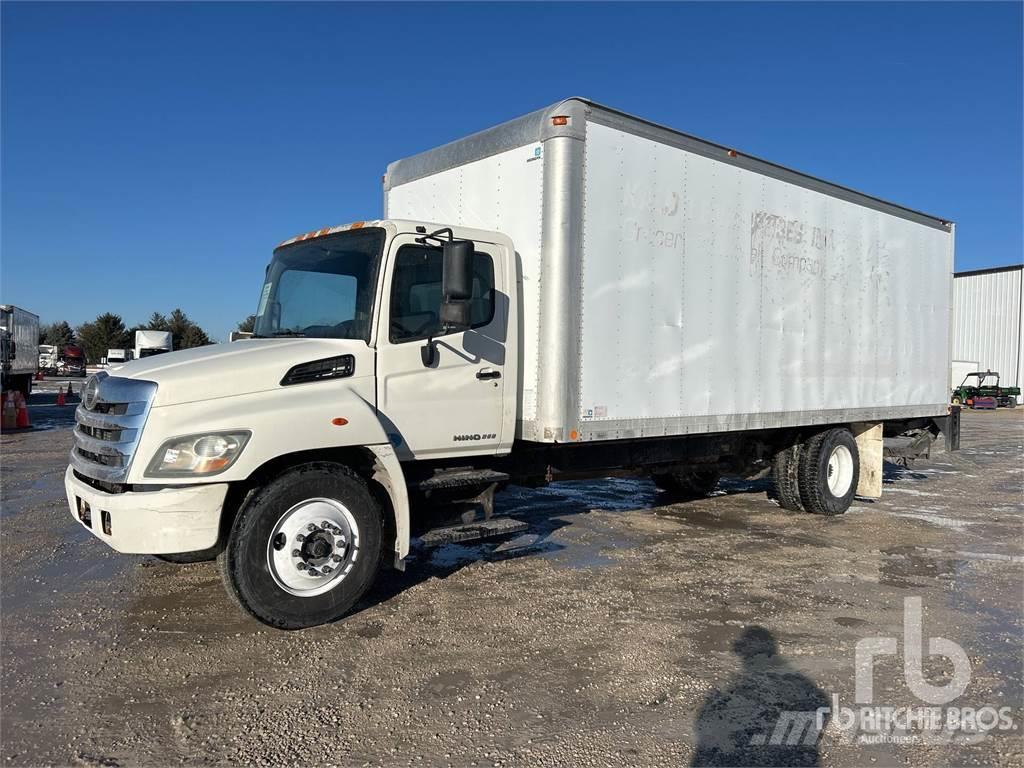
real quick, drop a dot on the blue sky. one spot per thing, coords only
(153, 154)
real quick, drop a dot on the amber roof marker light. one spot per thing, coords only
(560, 120)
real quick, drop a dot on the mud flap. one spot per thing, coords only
(869, 437)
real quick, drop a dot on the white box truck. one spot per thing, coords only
(574, 293)
(117, 356)
(19, 348)
(149, 343)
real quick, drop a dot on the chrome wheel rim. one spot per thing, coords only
(840, 471)
(313, 547)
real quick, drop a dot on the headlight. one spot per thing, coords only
(198, 454)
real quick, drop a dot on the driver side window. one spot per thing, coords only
(416, 293)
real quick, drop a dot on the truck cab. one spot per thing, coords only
(377, 345)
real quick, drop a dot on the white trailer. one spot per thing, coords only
(572, 294)
(19, 348)
(148, 343)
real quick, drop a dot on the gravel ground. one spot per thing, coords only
(619, 629)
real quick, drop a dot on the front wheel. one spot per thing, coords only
(305, 548)
(828, 472)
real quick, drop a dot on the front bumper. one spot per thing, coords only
(160, 522)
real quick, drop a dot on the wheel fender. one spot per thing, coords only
(388, 472)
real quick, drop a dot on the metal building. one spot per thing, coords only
(988, 320)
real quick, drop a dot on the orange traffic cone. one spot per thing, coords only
(60, 396)
(21, 412)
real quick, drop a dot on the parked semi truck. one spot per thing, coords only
(148, 343)
(19, 348)
(48, 359)
(71, 361)
(575, 293)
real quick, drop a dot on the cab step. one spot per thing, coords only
(485, 529)
(459, 478)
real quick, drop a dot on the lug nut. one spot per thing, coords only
(336, 558)
(326, 525)
(327, 569)
(311, 527)
(296, 553)
(300, 537)
(301, 566)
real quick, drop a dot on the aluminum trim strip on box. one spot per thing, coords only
(613, 429)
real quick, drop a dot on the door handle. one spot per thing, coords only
(488, 373)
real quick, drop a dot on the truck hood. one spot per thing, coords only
(238, 368)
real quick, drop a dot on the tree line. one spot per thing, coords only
(108, 331)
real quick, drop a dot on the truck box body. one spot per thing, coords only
(672, 286)
(21, 335)
(152, 343)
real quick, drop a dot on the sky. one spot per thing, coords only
(152, 155)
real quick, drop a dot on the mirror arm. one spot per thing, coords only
(428, 352)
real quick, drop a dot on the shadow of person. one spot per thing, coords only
(765, 716)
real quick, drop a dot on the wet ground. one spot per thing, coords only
(619, 629)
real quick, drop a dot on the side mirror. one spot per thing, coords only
(457, 271)
(456, 291)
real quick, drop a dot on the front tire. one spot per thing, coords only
(304, 548)
(829, 470)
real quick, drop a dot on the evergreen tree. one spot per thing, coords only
(107, 331)
(59, 334)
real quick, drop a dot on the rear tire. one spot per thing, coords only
(785, 478)
(828, 472)
(688, 484)
(284, 567)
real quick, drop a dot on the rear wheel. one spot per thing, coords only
(688, 484)
(305, 548)
(828, 472)
(785, 478)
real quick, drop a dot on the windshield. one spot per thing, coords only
(322, 288)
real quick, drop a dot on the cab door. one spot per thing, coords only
(454, 405)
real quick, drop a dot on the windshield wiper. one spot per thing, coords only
(287, 333)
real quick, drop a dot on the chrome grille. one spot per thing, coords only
(107, 434)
